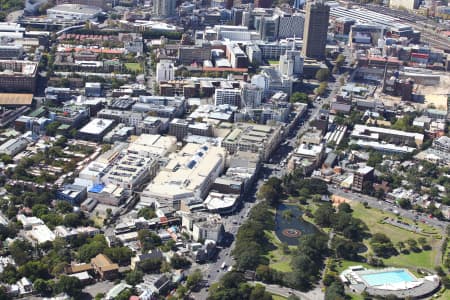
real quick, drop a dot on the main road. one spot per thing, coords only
(213, 272)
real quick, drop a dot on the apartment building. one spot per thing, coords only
(261, 139)
(18, 76)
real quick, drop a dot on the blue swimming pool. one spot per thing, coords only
(387, 277)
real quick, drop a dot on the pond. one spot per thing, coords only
(289, 225)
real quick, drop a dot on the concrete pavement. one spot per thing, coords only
(314, 294)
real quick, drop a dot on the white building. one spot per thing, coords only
(29, 222)
(408, 4)
(165, 70)
(74, 12)
(291, 63)
(227, 96)
(13, 146)
(188, 174)
(130, 171)
(41, 234)
(221, 203)
(203, 226)
(153, 145)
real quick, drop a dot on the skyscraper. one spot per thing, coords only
(164, 8)
(316, 28)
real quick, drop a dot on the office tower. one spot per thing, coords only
(251, 95)
(165, 71)
(298, 3)
(268, 28)
(164, 8)
(316, 28)
(291, 63)
(291, 25)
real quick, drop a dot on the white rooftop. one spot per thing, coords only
(96, 126)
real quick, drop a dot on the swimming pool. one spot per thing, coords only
(387, 277)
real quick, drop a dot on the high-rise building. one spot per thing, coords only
(251, 95)
(165, 71)
(298, 3)
(164, 8)
(291, 25)
(291, 63)
(316, 28)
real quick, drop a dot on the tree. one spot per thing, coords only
(299, 97)
(95, 246)
(324, 215)
(340, 60)
(412, 243)
(34, 270)
(52, 127)
(64, 207)
(182, 292)
(134, 277)
(194, 279)
(120, 255)
(345, 207)
(179, 262)
(42, 286)
(9, 274)
(147, 213)
(148, 240)
(404, 203)
(39, 210)
(151, 265)
(335, 291)
(70, 285)
(400, 246)
(322, 75)
(165, 267)
(21, 251)
(375, 158)
(269, 194)
(321, 89)
(73, 219)
(382, 245)
(124, 295)
(259, 293)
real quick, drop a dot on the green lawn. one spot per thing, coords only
(373, 219)
(277, 297)
(274, 62)
(134, 67)
(443, 295)
(356, 296)
(424, 259)
(278, 260)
